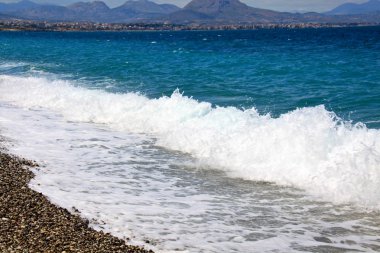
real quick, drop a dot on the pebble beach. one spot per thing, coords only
(30, 223)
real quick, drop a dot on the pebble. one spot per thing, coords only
(30, 223)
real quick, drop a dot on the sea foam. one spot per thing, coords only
(309, 148)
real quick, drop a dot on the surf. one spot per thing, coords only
(309, 148)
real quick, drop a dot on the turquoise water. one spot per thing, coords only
(275, 71)
(217, 141)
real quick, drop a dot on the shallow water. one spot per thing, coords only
(134, 189)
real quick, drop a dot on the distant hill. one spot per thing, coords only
(146, 6)
(89, 11)
(97, 11)
(43, 12)
(5, 17)
(195, 12)
(25, 4)
(90, 7)
(236, 12)
(371, 6)
(141, 10)
(230, 11)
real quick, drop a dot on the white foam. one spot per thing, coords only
(308, 148)
(11, 65)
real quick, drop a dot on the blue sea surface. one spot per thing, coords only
(275, 71)
(203, 141)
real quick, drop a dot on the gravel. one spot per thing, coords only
(30, 223)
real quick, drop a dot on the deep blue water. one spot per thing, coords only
(275, 71)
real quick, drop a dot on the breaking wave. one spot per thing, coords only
(309, 148)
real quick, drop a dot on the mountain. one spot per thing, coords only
(141, 10)
(97, 11)
(5, 17)
(230, 11)
(90, 11)
(11, 7)
(29, 10)
(236, 12)
(146, 6)
(206, 12)
(43, 12)
(354, 9)
(91, 7)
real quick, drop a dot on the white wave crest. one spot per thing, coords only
(308, 148)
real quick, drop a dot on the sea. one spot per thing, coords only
(203, 141)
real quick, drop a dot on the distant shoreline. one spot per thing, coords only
(37, 26)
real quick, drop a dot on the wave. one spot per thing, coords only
(309, 148)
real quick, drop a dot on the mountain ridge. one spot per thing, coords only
(235, 11)
(96, 11)
(353, 8)
(195, 12)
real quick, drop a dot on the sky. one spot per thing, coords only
(278, 5)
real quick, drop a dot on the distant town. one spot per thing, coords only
(24, 25)
(137, 15)
(146, 15)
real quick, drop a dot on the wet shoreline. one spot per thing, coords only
(30, 223)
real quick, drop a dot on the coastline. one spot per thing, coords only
(30, 223)
(36, 26)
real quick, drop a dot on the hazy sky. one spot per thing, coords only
(280, 5)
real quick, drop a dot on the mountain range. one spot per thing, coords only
(371, 6)
(197, 11)
(230, 11)
(96, 11)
